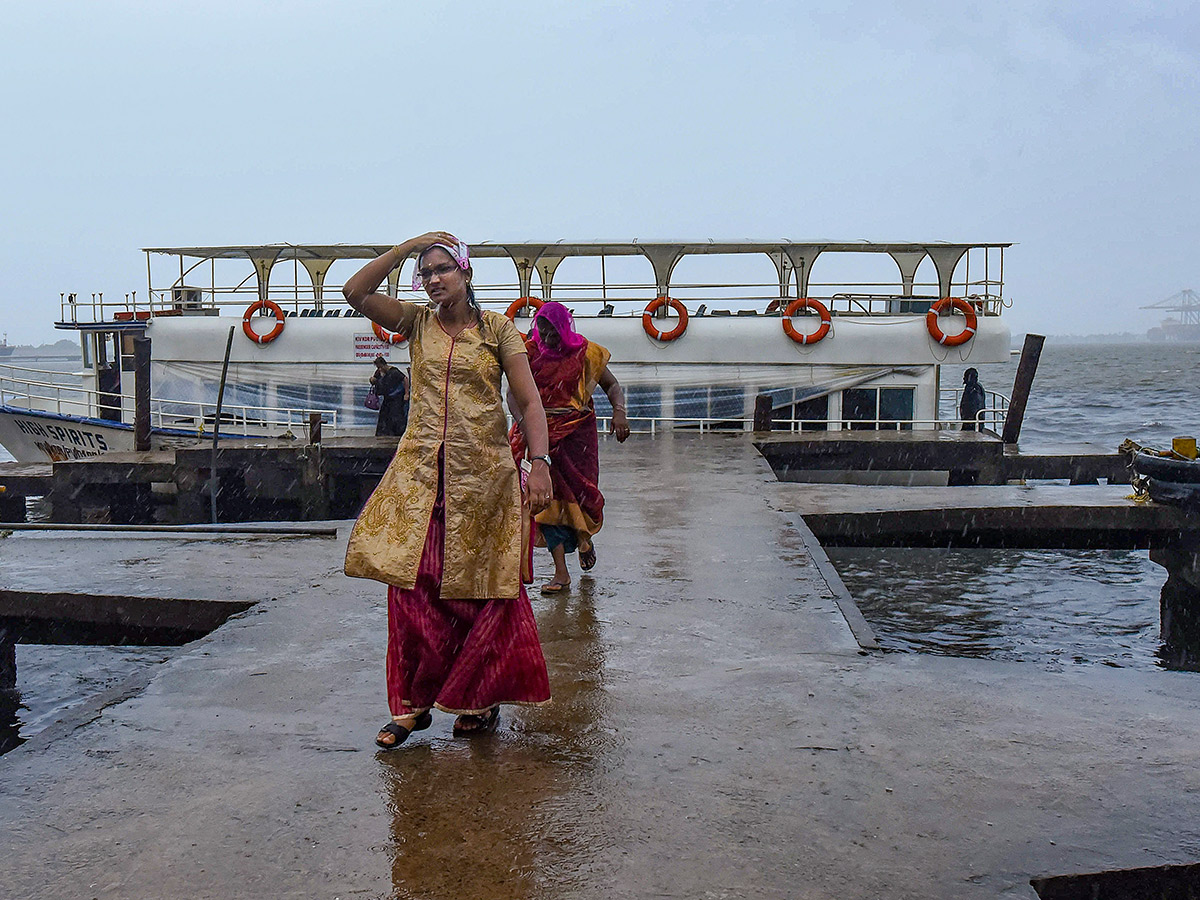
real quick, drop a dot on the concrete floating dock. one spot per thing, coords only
(18, 481)
(716, 732)
(963, 457)
(273, 480)
(1025, 516)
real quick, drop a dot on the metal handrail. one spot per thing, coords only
(178, 414)
(655, 424)
(838, 304)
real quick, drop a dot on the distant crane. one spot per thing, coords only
(1184, 328)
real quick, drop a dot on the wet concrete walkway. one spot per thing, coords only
(715, 733)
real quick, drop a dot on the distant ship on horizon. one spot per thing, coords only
(5, 348)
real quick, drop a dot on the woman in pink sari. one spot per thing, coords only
(567, 368)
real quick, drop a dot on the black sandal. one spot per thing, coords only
(468, 724)
(423, 721)
(587, 558)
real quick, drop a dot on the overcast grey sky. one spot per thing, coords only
(1069, 128)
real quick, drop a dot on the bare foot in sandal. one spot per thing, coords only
(556, 586)
(469, 724)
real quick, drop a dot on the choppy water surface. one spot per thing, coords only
(53, 678)
(1049, 607)
(1101, 394)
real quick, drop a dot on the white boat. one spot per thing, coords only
(862, 350)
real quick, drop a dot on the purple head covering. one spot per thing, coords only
(564, 323)
(460, 253)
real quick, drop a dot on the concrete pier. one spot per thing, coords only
(716, 732)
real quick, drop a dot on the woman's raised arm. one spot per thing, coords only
(360, 289)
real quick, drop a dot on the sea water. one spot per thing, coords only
(1046, 607)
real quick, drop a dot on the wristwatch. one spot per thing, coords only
(545, 459)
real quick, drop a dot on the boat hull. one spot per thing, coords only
(36, 436)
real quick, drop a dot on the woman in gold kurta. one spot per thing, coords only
(443, 529)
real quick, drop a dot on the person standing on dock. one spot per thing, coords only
(443, 528)
(973, 400)
(567, 367)
(392, 388)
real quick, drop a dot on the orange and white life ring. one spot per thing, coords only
(520, 303)
(944, 305)
(388, 337)
(798, 305)
(654, 306)
(270, 335)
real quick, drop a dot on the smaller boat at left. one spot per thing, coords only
(55, 415)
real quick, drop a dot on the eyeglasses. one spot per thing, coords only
(440, 271)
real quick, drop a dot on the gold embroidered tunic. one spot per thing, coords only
(456, 404)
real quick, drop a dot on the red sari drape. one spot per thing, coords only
(574, 445)
(461, 656)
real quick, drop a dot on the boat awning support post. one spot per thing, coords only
(802, 257)
(262, 269)
(546, 265)
(317, 270)
(1030, 354)
(908, 261)
(785, 270)
(141, 393)
(663, 258)
(945, 260)
(525, 263)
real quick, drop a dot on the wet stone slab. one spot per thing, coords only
(715, 732)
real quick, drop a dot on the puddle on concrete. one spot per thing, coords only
(525, 817)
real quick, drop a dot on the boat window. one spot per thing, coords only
(727, 402)
(896, 406)
(85, 343)
(815, 409)
(644, 401)
(691, 402)
(859, 407)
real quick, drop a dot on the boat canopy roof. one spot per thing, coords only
(536, 249)
(543, 257)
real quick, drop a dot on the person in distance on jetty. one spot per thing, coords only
(443, 528)
(567, 367)
(973, 399)
(392, 389)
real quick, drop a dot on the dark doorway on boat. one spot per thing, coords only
(812, 414)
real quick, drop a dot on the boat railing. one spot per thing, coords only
(627, 298)
(187, 415)
(990, 418)
(663, 424)
(235, 418)
(8, 370)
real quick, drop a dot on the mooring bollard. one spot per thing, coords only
(8, 659)
(764, 412)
